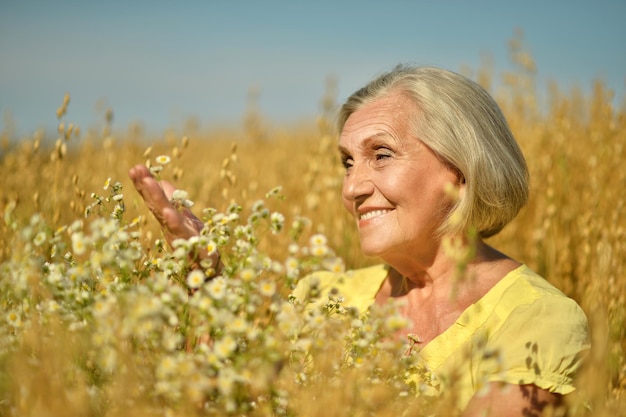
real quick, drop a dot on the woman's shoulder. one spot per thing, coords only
(539, 332)
(522, 304)
(523, 286)
(525, 307)
(528, 306)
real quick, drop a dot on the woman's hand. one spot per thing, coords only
(177, 223)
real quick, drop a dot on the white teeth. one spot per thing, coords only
(372, 214)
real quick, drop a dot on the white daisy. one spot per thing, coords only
(195, 278)
(163, 159)
(267, 288)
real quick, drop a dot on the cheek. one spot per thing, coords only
(400, 188)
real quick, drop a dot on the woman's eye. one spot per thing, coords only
(382, 154)
(346, 162)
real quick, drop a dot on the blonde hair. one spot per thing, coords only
(464, 126)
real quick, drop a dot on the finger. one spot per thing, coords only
(149, 188)
(193, 221)
(168, 188)
(176, 224)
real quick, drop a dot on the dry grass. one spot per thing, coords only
(572, 232)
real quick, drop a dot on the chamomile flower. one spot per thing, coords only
(166, 368)
(267, 288)
(396, 322)
(243, 246)
(318, 240)
(14, 319)
(211, 247)
(293, 248)
(171, 340)
(181, 252)
(277, 221)
(225, 346)
(238, 325)
(195, 387)
(292, 266)
(226, 382)
(288, 320)
(357, 323)
(276, 267)
(247, 274)
(79, 243)
(275, 192)
(101, 308)
(319, 251)
(317, 320)
(75, 226)
(51, 306)
(180, 195)
(217, 288)
(258, 205)
(108, 360)
(335, 265)
(195, 278)
(162, 159)
(35, 219)
(39, 239)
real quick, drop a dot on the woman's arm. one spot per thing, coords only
(177, 223)
(510, 400)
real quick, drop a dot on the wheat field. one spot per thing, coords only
(96, 320)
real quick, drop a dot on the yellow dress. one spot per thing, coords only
(522, 331)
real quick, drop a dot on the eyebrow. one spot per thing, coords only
(366, 142)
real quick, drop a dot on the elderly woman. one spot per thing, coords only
(506, 340)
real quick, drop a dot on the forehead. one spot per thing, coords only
(391, 115)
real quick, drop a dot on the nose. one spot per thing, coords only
(357, 185)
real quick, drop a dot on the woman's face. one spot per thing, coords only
(394, 184)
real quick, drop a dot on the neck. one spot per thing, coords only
(458, 260)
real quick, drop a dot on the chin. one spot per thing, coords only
(372, 250)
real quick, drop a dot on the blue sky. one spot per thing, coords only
(160, 62)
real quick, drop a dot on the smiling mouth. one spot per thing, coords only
(372, 214)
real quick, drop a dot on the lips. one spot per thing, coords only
(371, 214)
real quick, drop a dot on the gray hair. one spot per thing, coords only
(462, 124)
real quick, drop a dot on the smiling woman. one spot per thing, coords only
(393, 181)
(407, 138)
(460, 122)
(430, 163)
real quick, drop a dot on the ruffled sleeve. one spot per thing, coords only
(542, 342)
